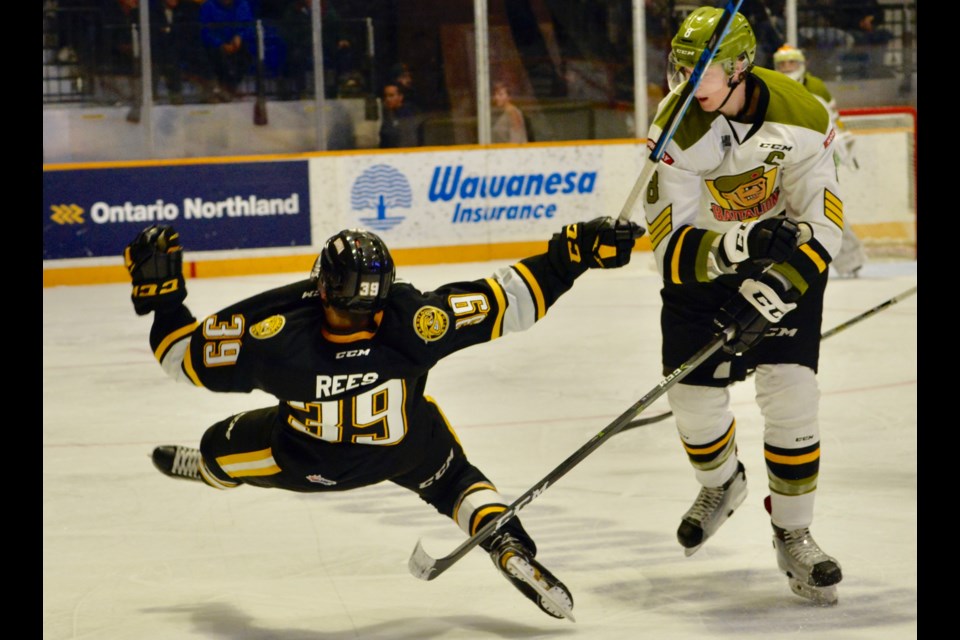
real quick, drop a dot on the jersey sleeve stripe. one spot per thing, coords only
(171, 338)
(833, 208)
(189, 370)
(252, 463)
(675, 257)
(815, 257)
(535, 289)
(661, 226)
(501, 298)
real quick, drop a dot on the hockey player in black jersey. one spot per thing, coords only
(347, 352)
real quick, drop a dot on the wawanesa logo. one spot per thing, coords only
(448, 182)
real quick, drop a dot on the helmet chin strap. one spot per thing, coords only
(733, 86)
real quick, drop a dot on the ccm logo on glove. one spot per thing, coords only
(150, 289)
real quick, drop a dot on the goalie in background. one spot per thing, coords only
(791, 62)
(346, 352)
(745, 215)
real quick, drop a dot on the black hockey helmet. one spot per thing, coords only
(354, 271)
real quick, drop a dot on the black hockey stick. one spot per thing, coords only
(826, 334)
(425, 567)
(260, 106)
(684, 98)
(869, 312)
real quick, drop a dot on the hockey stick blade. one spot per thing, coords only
(642, 422)
(684, 99)
(869, 312)
(426, 567)
(826, 334)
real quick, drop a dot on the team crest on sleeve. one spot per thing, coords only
(268, 328)
(431, 323)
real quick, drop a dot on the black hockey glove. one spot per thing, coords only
(601, 243)
(763, 242)
(155, 262)
(749, 313)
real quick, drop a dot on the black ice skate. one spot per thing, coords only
(812, 574)
(710, 510)
(517, 565)
(178, 462)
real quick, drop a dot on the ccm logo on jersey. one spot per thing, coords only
(334, 385)
(353, 353)
(776, 145)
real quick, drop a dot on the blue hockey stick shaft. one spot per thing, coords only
(684, 99)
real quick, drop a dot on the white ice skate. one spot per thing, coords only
(812, 574)
(710, 510)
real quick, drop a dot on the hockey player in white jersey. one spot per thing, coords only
(791, 62)
(745, 214)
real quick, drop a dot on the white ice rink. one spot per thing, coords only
(129, 554)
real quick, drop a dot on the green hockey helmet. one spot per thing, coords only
(790, 61)
(687, 46)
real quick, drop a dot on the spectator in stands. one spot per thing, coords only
(119, 19)
(119, 70)
(401, 75)
(195, 63)
(863, 19)
(75, 28)
(229, 36)
(769, 25)
(166, 19)
(296, 31)
(401, 125)
(509, 124)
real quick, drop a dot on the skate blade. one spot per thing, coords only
(689, 551)
(823, 596)
(548, 600)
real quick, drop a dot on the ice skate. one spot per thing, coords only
(710, 510)
(517, 565)
(178, 462)
(812, 574)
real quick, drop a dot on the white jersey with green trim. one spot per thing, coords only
(717, 172)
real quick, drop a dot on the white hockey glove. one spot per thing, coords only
(762, 242)
(759, 303)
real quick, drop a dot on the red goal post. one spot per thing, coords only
(880, 198)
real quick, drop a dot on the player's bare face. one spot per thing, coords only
(713, 88)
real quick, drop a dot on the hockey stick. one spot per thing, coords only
(684, 99)
(826, 334)
(260, 106)
(425, 567)
(869, 312)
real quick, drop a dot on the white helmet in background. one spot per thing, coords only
(790, 62)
